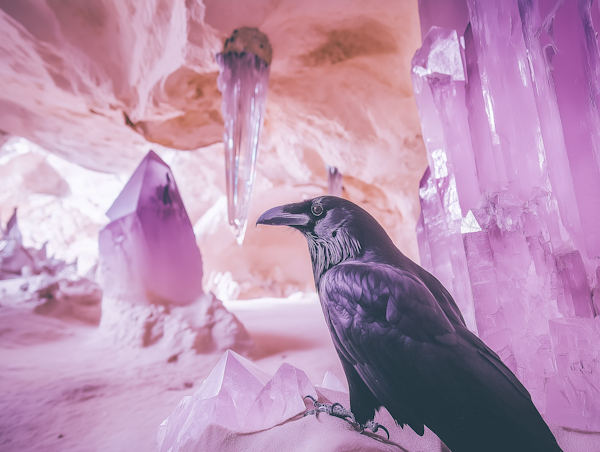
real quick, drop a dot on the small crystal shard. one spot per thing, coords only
(13, 256)
(281, 399)
(334, 181)
(148, 251)
(578, 296)
(332, 382)
(243, 81)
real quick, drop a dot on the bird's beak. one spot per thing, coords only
(288, 215)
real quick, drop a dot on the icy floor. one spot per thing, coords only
(62, 388)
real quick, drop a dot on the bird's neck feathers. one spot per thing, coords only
(325, 252)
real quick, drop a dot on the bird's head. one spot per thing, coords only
(336, 230)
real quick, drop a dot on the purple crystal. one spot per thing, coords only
(243, 81)
(573, 394)
(334, 181)
(577, 293)
(148, 251)
(511, 125)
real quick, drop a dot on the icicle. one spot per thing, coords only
(243, 81)
(334, 181)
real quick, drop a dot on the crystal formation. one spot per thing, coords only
(237, 395)
(30, 279)
(148, 251)
(510, 205)
(243, 81)
(334, 181)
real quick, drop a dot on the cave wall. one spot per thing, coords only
(99, 83)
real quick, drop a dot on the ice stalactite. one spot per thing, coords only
(509, 202)
(243, 81)
(334, 181)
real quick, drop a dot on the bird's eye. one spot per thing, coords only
(317, 209)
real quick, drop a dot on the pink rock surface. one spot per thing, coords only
(148, 252)
(509, 129)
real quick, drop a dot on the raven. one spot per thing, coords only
(402, 340)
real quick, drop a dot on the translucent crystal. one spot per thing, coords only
(510, 120)
(334, 181)
(282, 398)
(148, 251)
(332, 382)
(438, 81)
(573, 395)
(224, 398)
(237, 395)
(243, 80)
(13, 256)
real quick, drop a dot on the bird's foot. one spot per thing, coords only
(338, 410)
(374, 427)
(335, 409)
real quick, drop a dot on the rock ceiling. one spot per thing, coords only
(99, 83)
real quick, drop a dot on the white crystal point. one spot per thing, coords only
(281, 399)
(469, 224)
(332, 382)
(224, 398)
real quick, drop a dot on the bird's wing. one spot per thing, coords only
(421, 367)
(377, 313)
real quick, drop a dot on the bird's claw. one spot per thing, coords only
(374, 427)
(335, 409)
(338, 410)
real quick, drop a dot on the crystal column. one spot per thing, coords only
(334, 181)
(243, 81)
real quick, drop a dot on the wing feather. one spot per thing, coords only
(421, 363)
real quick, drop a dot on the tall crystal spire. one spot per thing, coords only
(243, 81)
(509, 204)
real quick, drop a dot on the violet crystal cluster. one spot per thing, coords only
(243, 81)
(510, 203)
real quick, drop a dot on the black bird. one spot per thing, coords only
(402, 340)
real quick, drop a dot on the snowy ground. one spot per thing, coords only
(63, 387)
